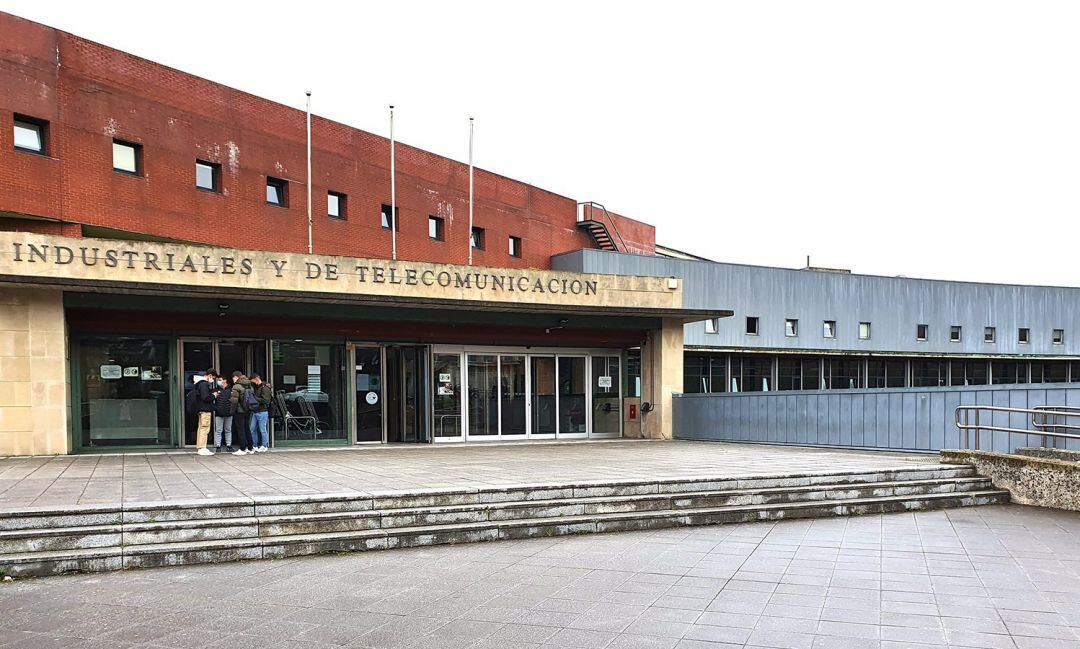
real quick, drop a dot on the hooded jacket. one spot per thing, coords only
(236, 395)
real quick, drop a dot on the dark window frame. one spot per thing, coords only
(956, 333)
(137, 148)
(343, 205)
(42, 126)
(828, 324)
(989, 335)
(282, 187)
(756, 328)
(1023, 335)
(869, 330)
(1057, 336)
(477, 237)
(215, 176)
(440, 228)
(395, 218)
(515, 247)
(922, 332)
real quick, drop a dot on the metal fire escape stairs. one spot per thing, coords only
(595, 219)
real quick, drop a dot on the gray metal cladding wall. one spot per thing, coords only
(909, 419)
(893, 306)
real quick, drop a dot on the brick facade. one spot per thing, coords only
(91, 94)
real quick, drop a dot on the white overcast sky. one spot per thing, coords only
(934, 139)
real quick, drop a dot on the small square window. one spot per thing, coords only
(864, 331)
(515, 246)
(277, 192)
(989, 334)
(921, 332)
(335, 205)
(1058, 336)
(30, 134)
(791, 327)
(127, 157)
(435, 228)
(710, 325)
(208, 176)
(828, 329)
(1023, 336)
(385, 219)
(955, 333)
(477, 240)
(752, 325)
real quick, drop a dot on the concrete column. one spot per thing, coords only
(661, 375)
(34, 387)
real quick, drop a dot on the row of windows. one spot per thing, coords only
(764, 373)
(922, 331)
(31, 135)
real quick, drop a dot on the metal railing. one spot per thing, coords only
(593, 205)
(1047, 422)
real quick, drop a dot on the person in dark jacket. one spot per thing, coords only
(223, 418)
(260, 413)
(240, 413)
(205, 394)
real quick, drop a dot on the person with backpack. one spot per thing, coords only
(238, 407)
(223, 418)
(205, 395)
(259, 397)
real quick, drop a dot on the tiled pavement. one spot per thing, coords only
(98, 479)
(999, 576)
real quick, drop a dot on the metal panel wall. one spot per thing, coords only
(908, 419)
(893, 305)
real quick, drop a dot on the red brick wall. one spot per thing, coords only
(90, 94)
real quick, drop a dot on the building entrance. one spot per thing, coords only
(226, 356)
(406, 371)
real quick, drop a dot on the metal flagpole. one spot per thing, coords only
(393, 191)
(309, 243)
(470, 190)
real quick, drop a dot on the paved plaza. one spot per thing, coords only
(997, 576)
(103, 479)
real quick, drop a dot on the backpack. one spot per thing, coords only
(251, 402)
(190, 403)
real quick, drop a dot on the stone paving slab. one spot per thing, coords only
(996, 576)
(71, 480)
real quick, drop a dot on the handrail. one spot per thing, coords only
(607, 215)
(1037, 427)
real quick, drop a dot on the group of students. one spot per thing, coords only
(242, 405)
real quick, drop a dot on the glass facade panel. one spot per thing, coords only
(843, 373)
(633, 373)
(512, 393)
(483, 394)
(1008, 372)
(311, 378)
(751, 373)
(886, 373)
(447, 400)
(573, 414)
(925, 374)
(124, 392)
(789, 373)
(544, 417)
(695, 373)
(607, 410)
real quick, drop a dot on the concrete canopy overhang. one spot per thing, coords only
(166, 269)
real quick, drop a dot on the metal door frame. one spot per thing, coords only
(215, 359)
(354, 430)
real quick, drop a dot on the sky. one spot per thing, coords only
(921, 138)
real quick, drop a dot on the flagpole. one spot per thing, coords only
(309, 241)
(470, 191)
(393, 191)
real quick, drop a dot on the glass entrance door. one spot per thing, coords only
(542, 382)
(512, 396)
(369, 394)
(573, 397)
(405, 381)
(226, 356)
(606, 400)
(483, 382)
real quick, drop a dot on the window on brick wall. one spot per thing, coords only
(208, 176)
(477, 240)
(515, 246)
(385, 219)
(435, 229)
(277, 192)
(31, 134)
(127, 157)
(335, 205)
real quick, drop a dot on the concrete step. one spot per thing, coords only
(54, 540)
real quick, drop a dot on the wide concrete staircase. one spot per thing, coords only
(52, 541)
